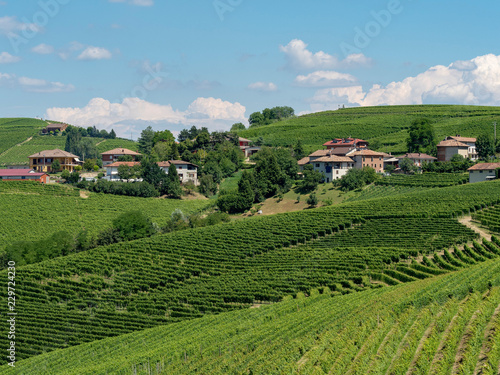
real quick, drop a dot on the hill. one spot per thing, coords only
(20, 138)
(386, 126)
(446, 324)
(31, 211)
(165, 279)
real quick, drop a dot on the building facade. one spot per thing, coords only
(42, 161)
(23, 175)
(112, 156)
(483, 172)
(448, 148)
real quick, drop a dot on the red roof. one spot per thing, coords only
(127, 163)
(417, 155)
(452, 143)
(484, 166)
(340, 142)
(120, 151)
(19, 173)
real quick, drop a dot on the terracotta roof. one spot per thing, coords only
(367, 153)
(53, 154)
(452, 143)
(320, 153)
(120, 151)
(240, 139)
(484, 166)
(181, 162)
(304, 161)
(416, 155)
(19, 173)
(463, 139)
(334, 159)
(127, 163)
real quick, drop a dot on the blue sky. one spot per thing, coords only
(126, 64)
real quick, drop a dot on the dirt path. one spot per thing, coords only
(84, 194)
(467, 221)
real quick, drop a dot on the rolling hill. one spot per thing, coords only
(20, 138)
(386, 126)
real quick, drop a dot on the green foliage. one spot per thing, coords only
(237, 127)
(56, 166)
(312, 201)
(422, 137)
(407, 166)
(358, 178)
(152, 173)
(298, 150)
(485, 146)
(270, 115)
(133, 225)
(132, 189)
(125, 158)
(146, 141)
(427, 179)
(89, 164)
(171, 185)
(310, 180)
(208, 186)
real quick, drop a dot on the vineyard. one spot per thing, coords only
(19, 154)
(441, 325)
(386, 125)
(125, 287)
(489, 218)
(425, 180)
(382, 191)
(31, 211)
(16, 130)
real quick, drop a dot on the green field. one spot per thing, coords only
(109, 291)
(387, 125)
(32, 211)
(17, 130)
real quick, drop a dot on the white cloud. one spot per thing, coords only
(324, 78)
(134, 114)
(43, 49)
(142, 3)
(12, 25)
(7, 58)
(95, 53)
(263, 86)
(472, 82)
(11, 81)
(299, 57)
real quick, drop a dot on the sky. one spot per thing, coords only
(128, 64)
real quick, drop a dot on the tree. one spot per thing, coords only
(172, 184)
(146, 141)
(212, 168)
(183, 135)
(310, 181)
(421, 136)
(256, 119)
(163, 136)
(112, 134)
(358, 178)
(312, 201)
(202, 140)
(133, 225)
(65, 175)
(237, 127)
(298, 150)
(407, 166)
(125, 172)
(207, 186)
(74, 177)
(56, 166)
(88, 165)
(125, 158)
(73, 138)
(485, 146)
(152, 173)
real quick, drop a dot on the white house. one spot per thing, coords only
(483, 172)
(332, 167)
(470, 142)
(186, 171)
(112, 169)
(418, 158)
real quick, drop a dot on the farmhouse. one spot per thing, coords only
(42, 161)
(112, 156)
(369, 158)
(483, 172)
(246, 148)
(470, 142)
(112, 169)
(186, 171)
(448, 148)
(418, 158)
(24, 175)
(54, 127)
(333, 167)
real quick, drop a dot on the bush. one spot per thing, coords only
(312, 201)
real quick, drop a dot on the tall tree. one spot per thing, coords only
(237, 127)
(146, 141)
(485, 146)
(172, 185)
(421, 136)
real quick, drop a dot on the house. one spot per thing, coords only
(332, 167)
(112, 156)
(42, 161)
(112, 169)
(24, 175)
(186, 171)
(54, 127)
(369, 158)
(246, 148)
(470, 142)
(346, 142)
(448, 148)
(418, 158)
(483, 172)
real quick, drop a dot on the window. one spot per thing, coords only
(372, 158)
(317, 165)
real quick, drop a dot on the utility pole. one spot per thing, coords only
(495, 127)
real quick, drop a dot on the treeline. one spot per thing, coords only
(126, 227)
(270, 115)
